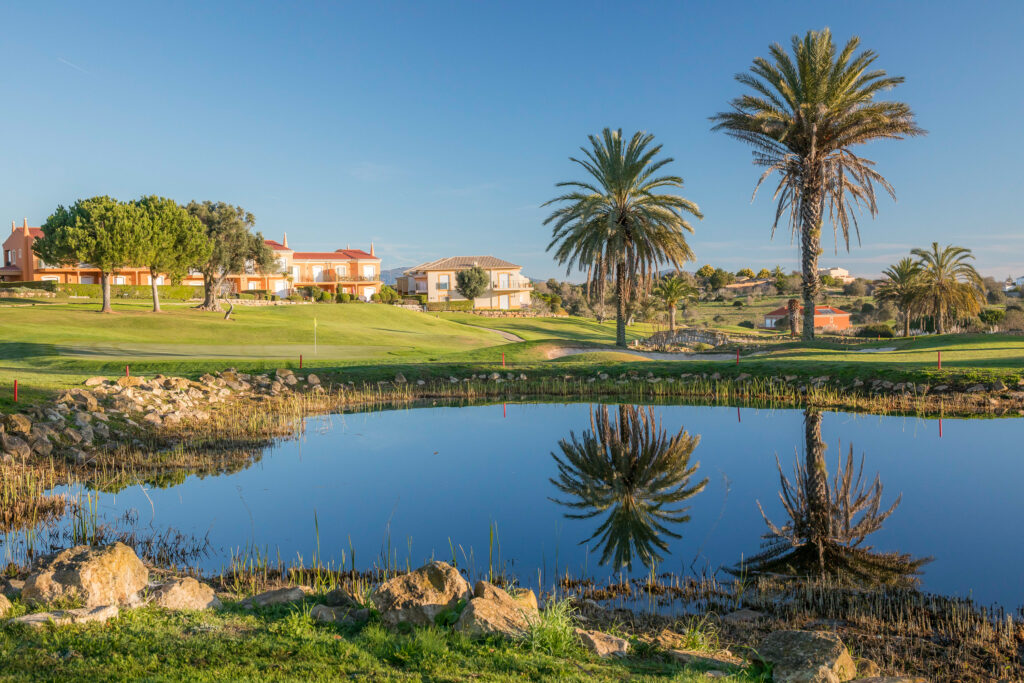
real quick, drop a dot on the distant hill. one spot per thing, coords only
(390, 276)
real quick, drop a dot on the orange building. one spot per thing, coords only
(828, 318)
(346, 270)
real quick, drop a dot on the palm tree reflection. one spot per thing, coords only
(635, 472)
(829, 522)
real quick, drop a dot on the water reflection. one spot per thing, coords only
(829, 522)
(632, 471)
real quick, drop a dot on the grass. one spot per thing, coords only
(285, 644)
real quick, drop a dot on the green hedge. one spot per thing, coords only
(461, 305)
(167, 292)
(48, 286)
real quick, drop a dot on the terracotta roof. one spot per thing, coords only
(818, 310)
(339, 255)
(463, 262)
(35, 232)
(11, 270)
(276, 246)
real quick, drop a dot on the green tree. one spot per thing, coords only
(175, 241)
(621, 218)
(637, 474)
(234, 247)
(745, 272)
(472, 282)
(948, 287)
(992, 316)
(720, 278)
(100, 231)
(900, 289)
(705, 271)
(806, 114)
(672, 291)
(764, 274)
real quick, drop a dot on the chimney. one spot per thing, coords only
(25, 226)
(14, 226)
(285, 242)
(371, 249)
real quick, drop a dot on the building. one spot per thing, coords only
(841, 275)
(508, 288)
(350, 271)
(826, 318)
(346, 270)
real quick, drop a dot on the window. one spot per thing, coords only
(443, 282)
(503, 280)
(342, 271)
(253, 284)
(318, 272)
(368, 271)
(50, 278)
(118, 280)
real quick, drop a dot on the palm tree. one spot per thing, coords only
(793, 306)
(634, 471)
(828, 524)
(806, 113)
(900, 288)
(948, 286)
(672, 291)
(619, 222)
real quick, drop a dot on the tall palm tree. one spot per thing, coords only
(634, 471)
(793, 308)
(619, 221)
(900, 289)
(948, 286)
(673, 290)
(805, 115)
(829, 522)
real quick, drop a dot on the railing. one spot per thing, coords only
(331, 276)
(512, 283)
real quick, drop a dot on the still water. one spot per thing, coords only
(433, 478)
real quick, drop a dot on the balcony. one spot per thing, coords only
(512, 284)
(331, 277)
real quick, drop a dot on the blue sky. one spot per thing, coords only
(439, 128)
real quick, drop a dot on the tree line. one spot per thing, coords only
(157, 234)
(805, 112)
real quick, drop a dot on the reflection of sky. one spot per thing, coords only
(446, 473)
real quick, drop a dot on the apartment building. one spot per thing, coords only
(508, 289)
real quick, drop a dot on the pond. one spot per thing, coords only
(480, 480)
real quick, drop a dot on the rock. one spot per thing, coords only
(493, 611)
(290, 380)
(343, 597)
(806, 657)
(313, 380)
(340, 615)
(419, 596)
(110, 575)
(5, 605)
(130, 381)
(722, 660)
(399, 378)
(84, 615)
(742, 616)
(891, 679)
(975, 388)
(153, 419)
(283, 372)
(867, 668)
(274, 597)
(185, 594)
(18, 424)
(95, 381)
(602, 644)
(14, 446)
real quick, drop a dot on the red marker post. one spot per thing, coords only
(15, 391)
(127, 371)
(940, 359)
(737, 356)
(502, 359)
(300, 361)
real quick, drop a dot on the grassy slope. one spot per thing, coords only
(284, 644)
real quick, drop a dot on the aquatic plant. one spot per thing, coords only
(633, 470)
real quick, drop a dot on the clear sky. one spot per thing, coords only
(439, 128)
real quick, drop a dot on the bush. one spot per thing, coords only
(324, 296)
(246, 296)
(47, 286)
(992, 316)
(388, 295)
(375, 298)
(295, 296)
(875, 331)
(344, 297)
(749, 324)
(737, 303)
(460, 305)
(856, 288)
(166, 292)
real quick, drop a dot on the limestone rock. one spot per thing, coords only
(313, 380)
(339, 615)
(806, 657)
(185, 594)
(84, 615)
(419, 596)
(399, 378)
(493, 611)
(343, 597)
(111, 575)
(602, 644)
(95, 381)
(14, 446)
(274, 597)
(130, 381)
(5, 605)
(18, 424)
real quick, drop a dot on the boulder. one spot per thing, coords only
(18, 424)
(279, 596)
(339, 615)
(84, 615)
(109, 575)
(493, 611)
(14, 446)
(806, 657)
(343, 597)
(283, 372)
(5, 605)
(399, 378)
(129, 381)
(95, 381)
(313, 380)
(419, 596)
(602, 644)
(185, 594)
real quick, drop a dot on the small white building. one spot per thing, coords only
(838, 274)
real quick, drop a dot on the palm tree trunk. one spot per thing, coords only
(620, 302)
(794, 315)
(672, 318)
(105, 287)
(816, 484)
(156, 294)
(940, 323)
(810, 246)
(906, 323)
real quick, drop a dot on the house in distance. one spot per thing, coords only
(826, 319)
(507, 290)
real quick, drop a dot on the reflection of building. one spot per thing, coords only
(826, 318)
(508, 288)
(345, 270)
(838, 274)
(352, 271)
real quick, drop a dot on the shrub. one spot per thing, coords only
(344, 297)
(749, 324)
(295, 296)
(422, 298)
(246, 296)
(274, 297)
(47, 286)
(460, 305)
(992, 316)
(388, 295)
(375, 298)
(737, 303)
(324, 296)
(553, 632)
(874, 331)
(1014, 319)
(855, 288)
(166, 292)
